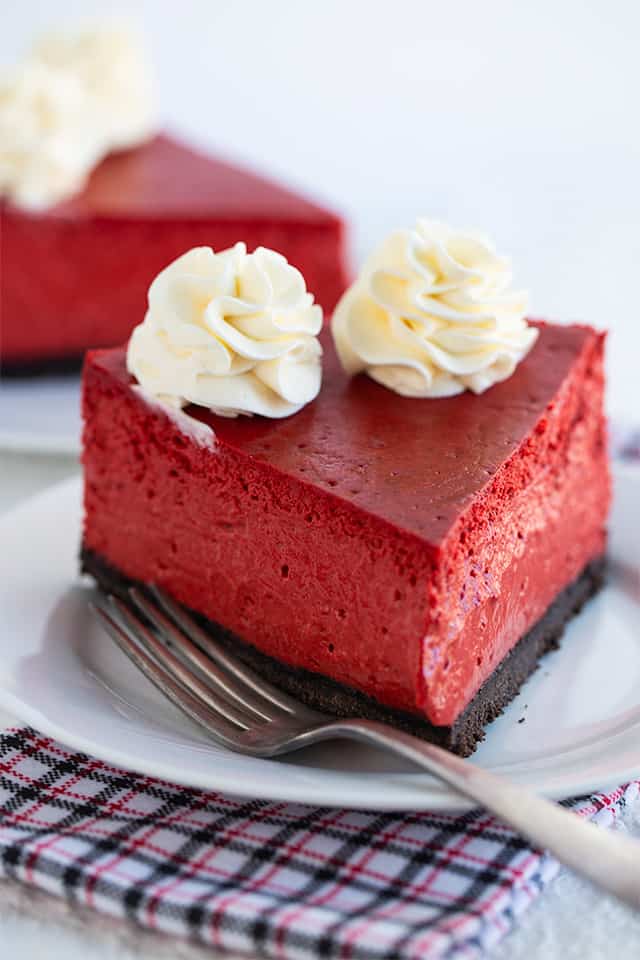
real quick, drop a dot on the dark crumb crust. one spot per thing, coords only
(338, 700)
(47, 366)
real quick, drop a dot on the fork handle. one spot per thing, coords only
(609, 860)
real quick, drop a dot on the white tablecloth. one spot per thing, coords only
(571, 921)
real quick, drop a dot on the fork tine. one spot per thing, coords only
(225, 660)
(236, 691)
(217, 726)
(125, 617)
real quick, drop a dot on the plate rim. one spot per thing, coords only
(405, 794)
(52, 444)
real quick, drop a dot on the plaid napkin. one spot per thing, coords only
(274, 879)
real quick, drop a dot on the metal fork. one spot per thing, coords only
(243, 713)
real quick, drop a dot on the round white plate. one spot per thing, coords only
(40, 414)
(574, 728)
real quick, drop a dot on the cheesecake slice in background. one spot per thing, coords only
(75, 275)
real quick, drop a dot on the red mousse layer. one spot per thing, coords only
(77, 275)
(399, 546)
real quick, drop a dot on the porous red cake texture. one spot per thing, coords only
(401, 547)
(77, 275)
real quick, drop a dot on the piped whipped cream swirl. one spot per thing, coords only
(111, 67)
(233, 331)
(45, 148)
(74, 99)
(432, 314)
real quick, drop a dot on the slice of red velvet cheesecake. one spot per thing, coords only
(93, 204)
(376, 554)
(76, 274)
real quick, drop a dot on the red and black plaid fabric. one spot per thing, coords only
(273, 879)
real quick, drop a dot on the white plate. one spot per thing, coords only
(40, 414)
(59, 672)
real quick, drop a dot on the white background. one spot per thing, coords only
(521, 119)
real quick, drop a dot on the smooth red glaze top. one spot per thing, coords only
(415, 463)
(164, 177)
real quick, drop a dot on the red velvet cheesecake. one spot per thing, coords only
(375, 554)
(76, 274)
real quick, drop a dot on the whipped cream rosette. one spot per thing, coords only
(233, 331)
(432, 313)
(72, 101)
